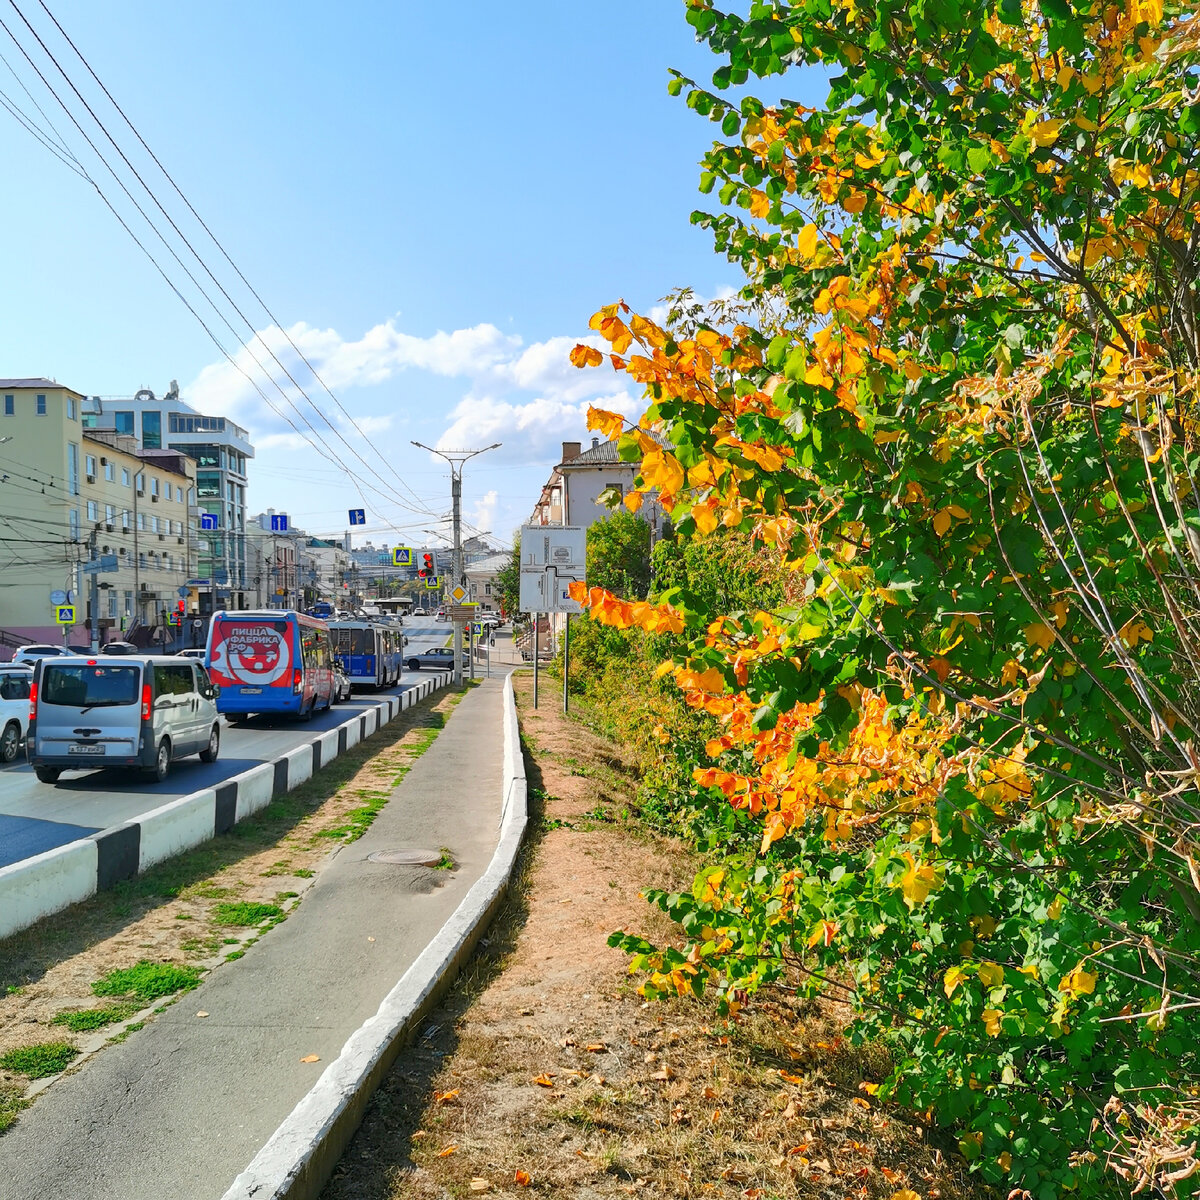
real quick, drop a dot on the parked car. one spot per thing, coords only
(15, 682)
(36, 651)
(135, 711)
(341, 684)
(119, 648)
(197, 652)
(442, 659)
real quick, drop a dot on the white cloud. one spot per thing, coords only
(483, 515)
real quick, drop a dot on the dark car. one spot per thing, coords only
(440, 659)
(120, 648)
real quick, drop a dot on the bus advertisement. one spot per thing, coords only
(270, 662)
(370, 654)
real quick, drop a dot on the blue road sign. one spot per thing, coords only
(358, 516)
(106, 562)
(402, 556)
(279, 523)
(433, 582)
(209, 521)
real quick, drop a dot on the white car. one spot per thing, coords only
(14, 709)
(32, 653)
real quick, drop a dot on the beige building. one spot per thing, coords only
(67, 494)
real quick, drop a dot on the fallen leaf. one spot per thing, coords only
(595, 1047)
(521, 1178)
(311, 1058)
(448, 1151)
(709, 1094)
(479, 1184)
(791, 1078)
(202, 1013)
(446, 1097)
(665, 1073)
(419, 1133)
(544, 1080)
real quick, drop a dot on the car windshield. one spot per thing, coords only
(90, 686)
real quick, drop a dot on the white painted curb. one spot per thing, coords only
(301, 1154)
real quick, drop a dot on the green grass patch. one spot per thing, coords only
(11, 1103)
(84, 1020)
(40, 1060)
(244, 913)
(446, 862)
(234, 955)
(303, 873)
(148, 981)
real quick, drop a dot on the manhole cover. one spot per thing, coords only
(407, 858)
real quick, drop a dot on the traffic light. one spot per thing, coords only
(427, 570)
(181, 606)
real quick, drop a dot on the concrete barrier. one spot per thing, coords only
(45, 884)
(301, 1154)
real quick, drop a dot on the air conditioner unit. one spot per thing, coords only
(154, 499)
(141, 491)
(91, 479)
(108, 529)
(162, 537)
(179, 540)
(104, 462)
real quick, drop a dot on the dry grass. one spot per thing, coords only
(546, 1062)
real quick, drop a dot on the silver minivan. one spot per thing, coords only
(127, 711)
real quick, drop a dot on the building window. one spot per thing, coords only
(128, 601)
(152, 430)
(72, 469)
(110, 514)
(125, 520)
(141, 522)
(124, 422)
(153, 524)
(92, 510)
(89, 463)
(142, 560)
(153, 486)
(70, 408)
(73, 524)
(110, 472)
(487, 589)
(125, 477)
(9, 405)
(112, 606)
(41, 405)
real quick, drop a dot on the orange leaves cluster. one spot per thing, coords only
(625, 614)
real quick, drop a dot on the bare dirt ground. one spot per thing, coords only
(199, 909)
(546, 1072)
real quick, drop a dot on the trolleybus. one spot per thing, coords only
(370, 654)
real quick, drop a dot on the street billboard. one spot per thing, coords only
(552, 558)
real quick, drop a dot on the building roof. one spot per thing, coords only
(34, 383)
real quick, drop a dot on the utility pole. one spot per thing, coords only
(456, 459)
(94, 593)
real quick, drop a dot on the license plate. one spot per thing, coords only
(85, 749)
(251, 691)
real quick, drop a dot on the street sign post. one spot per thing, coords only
(64, 614)
(58, 597)
(358, 516)
(433, 583)
(552, 558)
(279, 523)
(402, 556)
(458, 593)
(209, 521)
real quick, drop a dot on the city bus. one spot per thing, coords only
(275, 661)
(370, 654)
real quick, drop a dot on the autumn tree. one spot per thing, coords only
(968, 434)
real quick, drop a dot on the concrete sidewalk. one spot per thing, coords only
(181, 1107)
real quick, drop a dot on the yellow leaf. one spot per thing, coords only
(662, 472)
(942, 522)
(611, 424)
(1045, 133)
(310, 1058)
(586, 356)
(544, 1080)
(1038, 634)
(1055, 909)
(446, 1097)
(991, 1021)
(759, 204)
(917, 882)
(991, 974)
(904, 1194)
(521, 1178)
(1134, 631)
(807, 241)
(449, 1150)
(953, 977)
(705, 518)
(646, 331)
(1079, 982)
(633, 501)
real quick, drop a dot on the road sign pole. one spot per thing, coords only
(535, 660)
(566, 661)
(94, 595)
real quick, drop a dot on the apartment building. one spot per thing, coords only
(67, 495)
(221, 450)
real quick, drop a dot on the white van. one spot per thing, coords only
(120, 712)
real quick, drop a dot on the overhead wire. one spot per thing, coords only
(324, 451)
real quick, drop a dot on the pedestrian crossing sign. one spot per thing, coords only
(402, 556)
(64, 614)
(433, 583)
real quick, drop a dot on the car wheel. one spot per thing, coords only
(209, 754)
(47, 774)
(9, 741)
(414, 664)
(162, 762)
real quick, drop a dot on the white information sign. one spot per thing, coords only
(552, 557)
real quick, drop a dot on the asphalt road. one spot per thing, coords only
(35, 817)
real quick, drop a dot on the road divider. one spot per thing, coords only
(301, 1154)
(49, 882)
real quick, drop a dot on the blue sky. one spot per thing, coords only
(431, 198)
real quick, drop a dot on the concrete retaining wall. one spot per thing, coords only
(302, 1153)
(36, 887)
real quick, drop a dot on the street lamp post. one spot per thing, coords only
(457, 459)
